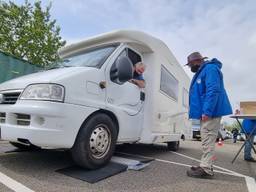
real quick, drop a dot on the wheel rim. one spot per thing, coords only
(100, 141)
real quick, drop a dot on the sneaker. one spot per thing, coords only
(199, 172)
(250, 160)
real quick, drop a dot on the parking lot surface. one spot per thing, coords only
(36, 171)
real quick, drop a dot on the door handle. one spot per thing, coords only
(142, 96)
(103, 84)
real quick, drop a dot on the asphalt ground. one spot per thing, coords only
(36, 171)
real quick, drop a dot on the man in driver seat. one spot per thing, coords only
(138, 78)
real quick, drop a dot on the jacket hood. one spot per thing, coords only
(214, 61)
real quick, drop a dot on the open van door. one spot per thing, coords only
(126, 100)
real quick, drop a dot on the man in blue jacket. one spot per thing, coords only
(208, 101)
(249, 128)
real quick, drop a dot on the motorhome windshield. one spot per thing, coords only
(90, 58)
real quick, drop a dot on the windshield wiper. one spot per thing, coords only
(57, 67)
(61, 64)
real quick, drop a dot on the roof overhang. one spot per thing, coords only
(143, 42)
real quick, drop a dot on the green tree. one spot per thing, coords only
(27, 32)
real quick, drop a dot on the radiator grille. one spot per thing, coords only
(23, 119)
(9, 97)
(2, 117)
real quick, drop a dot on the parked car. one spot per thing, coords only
(222, 133)
(241, 137)
(196, 129)
(229, 135)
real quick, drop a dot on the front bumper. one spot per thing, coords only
(43, 123)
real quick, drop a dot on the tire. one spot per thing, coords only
(95, 142)
(173, 146)
(24, 147)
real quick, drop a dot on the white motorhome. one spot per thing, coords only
(86, 103)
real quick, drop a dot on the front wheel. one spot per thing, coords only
(95, 143)
(173, 145)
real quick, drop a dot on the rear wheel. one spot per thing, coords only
(173, 145)
(95, 143)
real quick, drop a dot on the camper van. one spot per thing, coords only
(87, 104)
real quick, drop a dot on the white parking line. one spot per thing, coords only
(218, 167)
(250, 182)
(12, 184)
(186, 165)
(176, 163)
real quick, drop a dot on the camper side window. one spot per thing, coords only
(168, 84)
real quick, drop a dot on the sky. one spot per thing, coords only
(222, 29)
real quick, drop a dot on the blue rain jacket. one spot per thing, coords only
(207, 94)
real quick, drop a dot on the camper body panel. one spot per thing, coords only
(51, 125)
(157, 119)
(124, 101)
(165, 115)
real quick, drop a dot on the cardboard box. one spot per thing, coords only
(248, 107)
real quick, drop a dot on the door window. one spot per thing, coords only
(132, 55)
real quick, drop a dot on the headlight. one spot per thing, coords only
(48, 92)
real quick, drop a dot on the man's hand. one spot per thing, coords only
(205, 118)
(139, 83)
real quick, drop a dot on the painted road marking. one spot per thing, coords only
(12, 184)
(250, 182)
(175, 163)
(218, 167)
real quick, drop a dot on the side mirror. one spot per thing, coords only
(122, 70)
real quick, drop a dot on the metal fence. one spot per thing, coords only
(12, 67)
